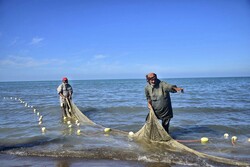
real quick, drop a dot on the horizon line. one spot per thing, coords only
(96, 79)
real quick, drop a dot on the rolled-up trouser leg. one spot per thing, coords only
(66, 109)
(63, 107)
(165, 123)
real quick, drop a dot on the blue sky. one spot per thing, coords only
(114, 39)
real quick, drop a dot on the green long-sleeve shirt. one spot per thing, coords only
(160, 97)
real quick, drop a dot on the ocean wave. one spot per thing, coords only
(168, 158)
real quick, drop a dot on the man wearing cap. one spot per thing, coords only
(65, 91)
(158, 97)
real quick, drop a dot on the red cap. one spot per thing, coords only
(65, 79)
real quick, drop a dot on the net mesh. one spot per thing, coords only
(78, 115)
(152, 131)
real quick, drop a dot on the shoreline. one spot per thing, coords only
(17, 160)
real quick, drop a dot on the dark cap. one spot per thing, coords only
(151, 76)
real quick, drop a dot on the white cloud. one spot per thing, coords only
(36, 40)
(100, 56)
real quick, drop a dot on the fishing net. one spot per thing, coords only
(78, 115)
(153, 132)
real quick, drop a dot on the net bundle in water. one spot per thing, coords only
(78, 115)
(154, 132)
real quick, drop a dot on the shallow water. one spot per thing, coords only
(209, 108)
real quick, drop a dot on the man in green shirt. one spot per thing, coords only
(158, 97)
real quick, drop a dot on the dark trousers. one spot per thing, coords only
(165, 123)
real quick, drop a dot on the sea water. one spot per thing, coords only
(209, 107)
